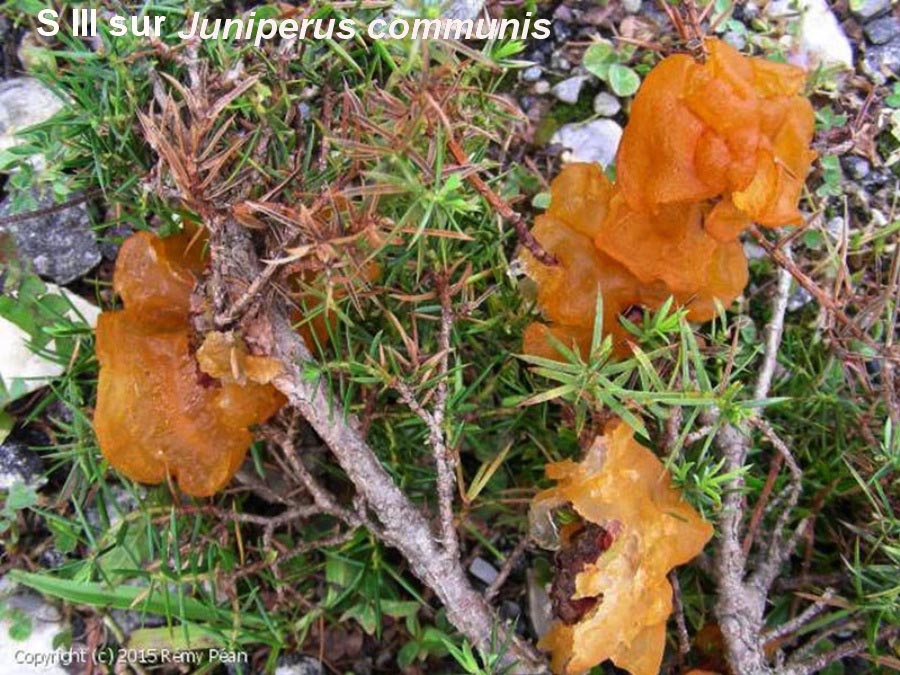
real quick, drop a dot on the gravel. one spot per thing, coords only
(595, 141)
(532, 74)
(856, 167)
(482, 570)
(298, 664)
(569, 89)
(19, 464)
(24, 102)
(883, 30)
(880, 60)
(60, 245)
(866, 9)
(606, 104)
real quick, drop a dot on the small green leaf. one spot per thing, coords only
(19, 624)
(623, 80)
(893, 100)
(407, 654)
(541, 200)
(598, 58)
(20, 497)
(6, 423)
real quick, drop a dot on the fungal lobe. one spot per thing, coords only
(158, 413)
(709, 149)
(636, 528)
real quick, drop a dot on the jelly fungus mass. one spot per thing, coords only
(635, 528)
(709, 149)
(164, 408)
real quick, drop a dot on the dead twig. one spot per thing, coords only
(823, 298)
(774, 330)
(684, 639)
(802, 619)
(526, 238)
(850, 648)
(511, 560)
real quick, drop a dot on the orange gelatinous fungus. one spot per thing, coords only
(709, 149)
(733, 125)
(624, 489)
(158, 413)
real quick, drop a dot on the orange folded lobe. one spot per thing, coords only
(621, 597)
(709, 149)
(157, 413)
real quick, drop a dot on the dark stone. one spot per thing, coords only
(129, 620)
(880, 60)
(52, 559)
(19, 464)
(112, 238)
(877, 179)
(883, 30)
(60, 245)
(561, 31)
(298, 664)
(869, 8)
(856, 167)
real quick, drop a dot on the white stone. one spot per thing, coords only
(820, 38)
(22, 370)
(606, 104)
(595, 141)
(569, 89)
(46, 624)
(463, 9)
(24, 102)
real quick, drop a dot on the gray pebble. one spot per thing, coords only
(559, 62)
(563, 13)
(541, 87)
(606, 104)
(482, 570)
(751, 10)
(777, 9)
(880, 60)
(46, 624)
(835, 228)
(561, 31)
(569, 89)
(24, 102)
(877, 179)
(735, 39)
(532, 74)
(596, 141)
(799, 299)
(856, 167)
(20, 464)
(754, 251)
(60, 245)
(883, 30)
(298, 664)
(869, 8)
(462, 9)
